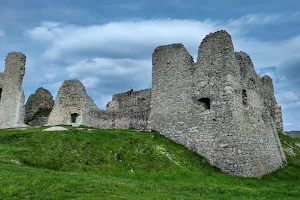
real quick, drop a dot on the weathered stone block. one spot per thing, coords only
(40, 101)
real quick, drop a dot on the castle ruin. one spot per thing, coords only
(38, 107)
(72, 105)
(218, 106)
(12, 108)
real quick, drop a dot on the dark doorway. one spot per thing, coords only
(74, 117)
(0, 93)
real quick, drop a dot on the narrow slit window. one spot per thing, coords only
(244, 97)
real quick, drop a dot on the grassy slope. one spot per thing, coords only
(124, 164)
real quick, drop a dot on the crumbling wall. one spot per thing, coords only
(124, 111)
(135, 106)
(1, 83)
(278, 119)
(40, 101)
(12, 109)
(263, 148)
(213, 109)
(72, 105)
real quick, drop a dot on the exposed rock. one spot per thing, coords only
(40, 101)
(12, 109)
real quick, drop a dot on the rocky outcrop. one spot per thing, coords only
(38, 105)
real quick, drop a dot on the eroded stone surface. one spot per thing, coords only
(72, 101)
(218, 107)
(124, 111)
(278, 119)
(12, 109)
(41, 100)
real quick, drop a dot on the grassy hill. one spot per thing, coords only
(125, 164)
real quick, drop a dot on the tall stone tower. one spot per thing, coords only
(218, 107)
(12, 109)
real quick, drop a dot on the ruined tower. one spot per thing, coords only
(38, 107)
(218, 107)
(12, 109)
(72, 104)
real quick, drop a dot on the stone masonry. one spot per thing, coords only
(124, 111)
(72, 102)
(40, 101)
(218, 107)
(12, 109)
(278, 118)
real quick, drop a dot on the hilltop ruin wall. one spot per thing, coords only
(278, 119)
(12, 108)
(124, 111)
(72, 105)
(218, 107)
(40, 101)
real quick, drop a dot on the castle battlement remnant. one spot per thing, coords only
(72, 104)
(38, 107)
(218, 106)
(12, 109)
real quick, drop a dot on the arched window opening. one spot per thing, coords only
(74, 117)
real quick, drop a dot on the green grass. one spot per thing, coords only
(125, 164)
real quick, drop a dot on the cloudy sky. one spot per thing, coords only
(107, 44)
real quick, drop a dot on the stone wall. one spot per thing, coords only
(1, 83)
(12, 109)
(72, 102)
(218, 107)
(278, 119)
(124, 111)
(41, 100)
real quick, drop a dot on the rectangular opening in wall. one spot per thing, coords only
(74, 117)
(204, 104)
